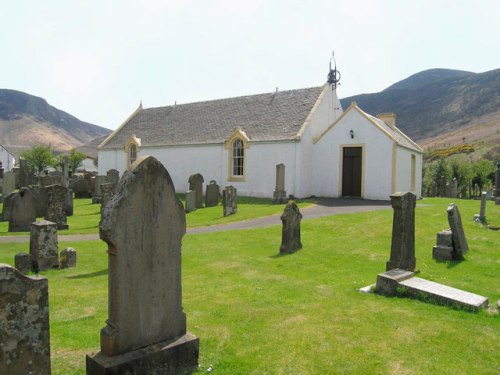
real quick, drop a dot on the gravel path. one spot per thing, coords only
(322, 207)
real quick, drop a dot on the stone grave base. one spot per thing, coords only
(178, 356)
(442, 253)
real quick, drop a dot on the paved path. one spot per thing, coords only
(322, 207)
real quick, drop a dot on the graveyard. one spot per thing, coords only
(256, 311)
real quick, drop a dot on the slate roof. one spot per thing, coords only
(264, 117)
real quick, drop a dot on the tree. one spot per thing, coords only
(38, 157)
(75, 159)
(483, 173)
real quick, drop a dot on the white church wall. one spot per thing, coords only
(7, 159)
(404, 171)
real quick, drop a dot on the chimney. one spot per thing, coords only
(388, 118)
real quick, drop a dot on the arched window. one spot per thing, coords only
(238, 158)
(132, 153)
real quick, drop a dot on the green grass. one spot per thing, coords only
(256, 312)
(87, 215)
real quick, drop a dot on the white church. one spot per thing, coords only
(326, 151)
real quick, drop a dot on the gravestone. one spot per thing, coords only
(26, 177)
(2, 171)
(69, 202)
(454, 188)
(43, 245)
(22, 211)
(444, 246)
(56, 207)
(403, 232)
(24, 323)
(99, 180)
(196, 184)
(482, 209)
(8, 183)
(497, 185)
(65, 171)
(113, 176)
(457, 231)
(190, 200)
(212, 194)
(107, 191)
(67, 258)
(442, 187)
(279, 195)
(41, 200)
(81, 187)
(23, 263)
(290, 233)
(143, 225)
(229, 200)
(7, 202)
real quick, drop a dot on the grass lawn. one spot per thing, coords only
(87, 215)
(256, 312)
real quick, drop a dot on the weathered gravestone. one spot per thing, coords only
(81, 187)
(99, 180)
(67, 258)
(24, 323)
(454, 188)
(56, 207)
(290, 234)
(403, 232)
(65, 171)
(190, 200)
(8, 183)
(69, 202)
(196, 184)
(43, 245)
(41, 200)
(497, 184)
(23, 263)
(26, 177)
(107, 191)
(279, 195)
(442, 187)
(22, 211)
(48, 180)
(444, 246)
(212, 194)
(113, 176)
(481, 217)
(460, 246)
(143, 225)
(7, 202)
(229, 200)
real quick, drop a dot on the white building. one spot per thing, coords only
(239, 141)
(7, 159)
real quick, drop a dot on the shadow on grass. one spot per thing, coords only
(89, 275)
(451, 263)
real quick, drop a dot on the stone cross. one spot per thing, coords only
(22, 211)
(229, 200)
(56, 207)
(457, 231)
(403, 232)
(24, 323)
(44, 245)
(212, 194)
(196, 184)
(143, 225)
(290, 234)
(279, 195)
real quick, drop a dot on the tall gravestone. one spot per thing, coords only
(8, 183)
(482, 208)
(457, 231)
(56, 206)
(24, 323)
(190, 200)
(65, 171)
(497, 185)
(22, 211)
(279, 195)
(44, 245)
(7, 202)
(290, 233)
(196, 184)
(99, 180)
(143, 225)
(403, 232)
(25, 175)
(107, 191)
(69, 202)
(212, 194)
(81, 187)
(229, 200)
(41, 199)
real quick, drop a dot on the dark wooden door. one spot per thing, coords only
(351, 172)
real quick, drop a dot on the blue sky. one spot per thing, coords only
(98, 59)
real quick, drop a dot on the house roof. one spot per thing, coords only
(393, 133)
(265, 117)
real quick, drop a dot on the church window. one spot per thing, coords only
(238, 158)
(132, 153)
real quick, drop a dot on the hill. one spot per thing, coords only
(439, 107)
(26, 120)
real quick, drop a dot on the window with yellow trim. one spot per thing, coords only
(132, 153)
(238, 158)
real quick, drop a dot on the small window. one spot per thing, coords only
(238, 158)
(132, 153)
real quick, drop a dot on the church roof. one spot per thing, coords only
(274, 116)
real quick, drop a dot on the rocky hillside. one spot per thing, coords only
(26, 120)
(441, 106)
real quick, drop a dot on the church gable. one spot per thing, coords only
(276, 116)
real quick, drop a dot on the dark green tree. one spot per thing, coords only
(38, 157)
(75, 160)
